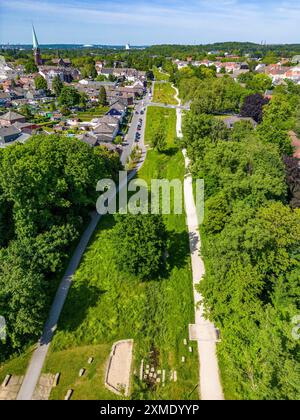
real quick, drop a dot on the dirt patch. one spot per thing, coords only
(44, 387)
(10, 391)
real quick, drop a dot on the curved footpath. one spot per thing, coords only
(210, 383)
(39, 355)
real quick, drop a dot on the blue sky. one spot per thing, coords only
(150, 22)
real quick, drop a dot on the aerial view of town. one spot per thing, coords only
(149, 202)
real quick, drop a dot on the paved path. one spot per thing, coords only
(210, 384)
(37, 361)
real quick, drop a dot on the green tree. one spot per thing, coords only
(57, 85)
(260, 83)
(277, 121)
(69, 96)
(102, 96)
(30, 67)
(140, 243)
(40, 83)
(89, 70)
(26, 111)
(83, 100)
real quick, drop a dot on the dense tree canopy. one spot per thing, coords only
(69, 96)
(218, 96)
(57, 85)
(40, 83)
(140, 242)
(30, 67)
(253, 107)
(251, 242)
(47, 188)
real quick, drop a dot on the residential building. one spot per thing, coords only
(9, 134)
(10, 118)
(7, 72)
(62, 62)
(230, 121)
(118, 110)
(293, 74)
(66, 74)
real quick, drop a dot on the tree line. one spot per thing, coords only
(251, 236)
(47, 189)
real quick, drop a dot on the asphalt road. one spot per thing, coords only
(130, 137)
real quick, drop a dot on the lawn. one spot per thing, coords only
(164, 94)
(154, 117)
(16, 365)
(160, 76)
(91, 113)
(69, 363)
(106, 305)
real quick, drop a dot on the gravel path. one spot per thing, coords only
(210, 383)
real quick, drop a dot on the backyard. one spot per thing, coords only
(89, 114)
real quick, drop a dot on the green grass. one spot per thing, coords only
(16, 365)
(164, 94)
(154, 116)
(160, 76)
(106, 305)
(92, 113)
(69, 362)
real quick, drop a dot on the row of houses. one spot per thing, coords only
(128, 74)
(114, 92)
(66, 74)
(229, 66)
(278, 72)
(104, 130)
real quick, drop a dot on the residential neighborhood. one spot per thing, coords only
(19, 90)
(149, 204)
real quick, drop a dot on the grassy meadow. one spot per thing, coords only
(160, 76)
(164, 94)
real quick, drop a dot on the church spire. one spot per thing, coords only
(36, 49)
(34, 39)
